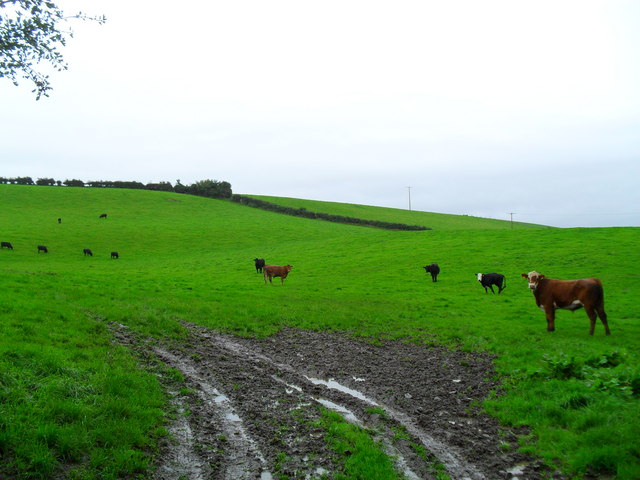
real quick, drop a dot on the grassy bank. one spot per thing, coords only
(190, 258)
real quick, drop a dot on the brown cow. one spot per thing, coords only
(570, 295)
(271, 271)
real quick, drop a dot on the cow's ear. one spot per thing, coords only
(524, 275)
(540, 276)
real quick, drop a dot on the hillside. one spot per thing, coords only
(438, 221)
(572, 398)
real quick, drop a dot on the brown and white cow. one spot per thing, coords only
(570, 295)
(271, 271)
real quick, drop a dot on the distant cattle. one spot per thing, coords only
(115, 255)
(260, 263)
(434, 270)
(59, 220)
(488, 280)
(6, 245)
(42, 248)
(271, 271)
(87, 251)
(104, 215)
(571, 295)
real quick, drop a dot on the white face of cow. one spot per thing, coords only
(533, 278)
(480, 275)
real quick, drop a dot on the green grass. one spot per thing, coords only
(190, 258)
(68, 396)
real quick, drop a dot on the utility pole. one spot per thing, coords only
(409, 189)
(511, 214)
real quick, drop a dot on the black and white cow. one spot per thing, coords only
(434, 270)
(488, 280)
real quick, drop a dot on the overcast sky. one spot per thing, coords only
(481, 107)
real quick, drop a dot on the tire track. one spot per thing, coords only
(252, 407)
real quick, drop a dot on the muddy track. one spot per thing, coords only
(251, 407)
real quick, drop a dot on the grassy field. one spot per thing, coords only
(70, 402)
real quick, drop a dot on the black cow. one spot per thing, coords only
(87, 251)
(260, 263)
(104, 215)
(42, 248)
(434, 270)
(115, 255)
(7, 245)
(488, 280)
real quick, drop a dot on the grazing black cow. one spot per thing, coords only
(488, 280)
(115, 255)
(434, 270)
(42, 248)
(104, 215)
(59, 220)
(87, 251)
(260, 263)
(7, 245)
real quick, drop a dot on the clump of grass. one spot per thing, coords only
(362, 456)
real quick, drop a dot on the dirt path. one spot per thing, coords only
(251, 407)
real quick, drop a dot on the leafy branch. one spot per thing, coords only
(33, 32)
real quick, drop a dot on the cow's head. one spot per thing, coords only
(480, 275)
(288, 267)
(533, 277)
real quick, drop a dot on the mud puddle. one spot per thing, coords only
(252, 407)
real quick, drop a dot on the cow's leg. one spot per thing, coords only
(550, 313)
(591, 313)
(492, 290)
(603, 318)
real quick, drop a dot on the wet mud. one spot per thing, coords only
(250, 408)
